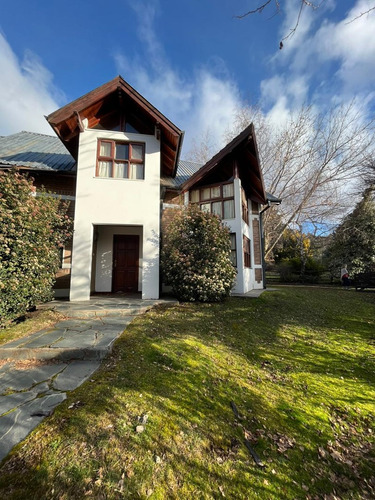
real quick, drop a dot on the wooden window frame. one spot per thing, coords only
(233, 250)
(246, 252)
(112, 158)
(220, 199)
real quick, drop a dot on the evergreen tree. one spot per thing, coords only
(353, 242)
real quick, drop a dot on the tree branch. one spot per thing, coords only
(361, 14)
(258, 9)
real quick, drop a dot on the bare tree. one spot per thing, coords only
(369, 174)
(313, 162)
(202, 149)
(302, 5)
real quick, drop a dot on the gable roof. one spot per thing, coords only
(242, 154)
(117, 94)
(36, 152)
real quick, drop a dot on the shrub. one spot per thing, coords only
(32, 228)
(294, 270)
(196, 257)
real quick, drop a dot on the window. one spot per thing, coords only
(246, 252)
(233, 249)
(65, 254)
(245, 209)
(218, 199)
(120, 160)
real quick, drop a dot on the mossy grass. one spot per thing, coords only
(299, 365)
(30, 323)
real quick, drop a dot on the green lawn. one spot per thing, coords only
(299, 366)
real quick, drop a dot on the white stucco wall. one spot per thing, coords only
(235, 226)
(245, 280)
(115, 202)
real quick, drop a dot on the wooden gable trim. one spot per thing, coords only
(228, 149)
(65, 124)
(234, 151)
(98, 94)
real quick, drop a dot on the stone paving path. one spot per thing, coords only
(37, 371)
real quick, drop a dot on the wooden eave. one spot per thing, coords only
(242, 151)
(67, 121)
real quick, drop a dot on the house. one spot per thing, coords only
(116, 159)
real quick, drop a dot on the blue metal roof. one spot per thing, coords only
(45, 152)
(35, 151)
(185, 170)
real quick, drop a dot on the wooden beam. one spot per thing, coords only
(235, 169)
(79, 121)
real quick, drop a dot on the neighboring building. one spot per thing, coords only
(116, 159)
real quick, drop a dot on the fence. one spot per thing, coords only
(309, 277)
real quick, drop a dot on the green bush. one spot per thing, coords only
(196, 257)
(32, 228)
(295, 271)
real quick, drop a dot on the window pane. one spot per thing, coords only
(122, 151)
(233, 253)
(121, 170)
(215, 192)
(206, 207)
(228, 190)
(194, 195)
(217, 208)
(243, 197)
(229, 209)
(105, 149)
(136, 171)
(137, 152)
(105, 169)
(130, 128)
(206, 193)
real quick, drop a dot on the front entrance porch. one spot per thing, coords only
(122, 259)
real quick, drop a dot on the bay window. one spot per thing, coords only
(217, 199)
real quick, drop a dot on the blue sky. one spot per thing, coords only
(191, 58)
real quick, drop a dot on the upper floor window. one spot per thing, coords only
(218, 199)
(121, 160)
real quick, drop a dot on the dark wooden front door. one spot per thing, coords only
(125, 263)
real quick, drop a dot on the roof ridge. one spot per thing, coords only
(35, 133)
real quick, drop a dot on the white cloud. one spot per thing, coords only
(26, 92)
(204, 99)
(351, 42)
(325, 63)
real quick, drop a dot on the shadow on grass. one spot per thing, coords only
(274, 357)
